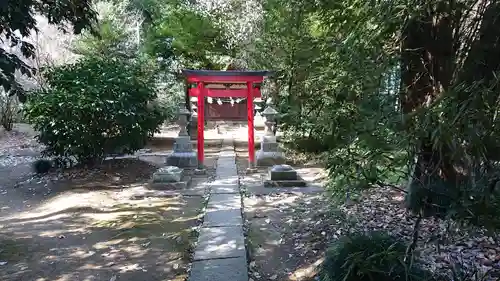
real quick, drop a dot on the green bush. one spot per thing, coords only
(372, 257)
(95, 107)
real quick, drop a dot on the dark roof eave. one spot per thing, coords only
(189, 72)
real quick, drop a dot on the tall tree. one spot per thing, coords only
(450, 64)
(17, 22)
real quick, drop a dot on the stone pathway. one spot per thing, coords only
(220, 254)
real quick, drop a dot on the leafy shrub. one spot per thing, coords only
(42, 166)
(472, 199)
(371, 257)
(95, 107)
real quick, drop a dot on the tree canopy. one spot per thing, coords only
(17, 22)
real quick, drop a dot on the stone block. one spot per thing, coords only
(268, 139)
(233, 269)
(266, 159)
(285, 183)
(200, 172)
(220, 243)
(269, 146)
(282, 173)
(183, 144)
(182, 159)
(167, 174)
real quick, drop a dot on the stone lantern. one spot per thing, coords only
(270, 115)
(183, 119)
(269, 153)
(183, 155)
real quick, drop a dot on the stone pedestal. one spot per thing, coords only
(183, 154)
(168, 178)
(168, 174)
(269, 153)
(284, 176)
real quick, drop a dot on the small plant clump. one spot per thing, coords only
(370, 257)
(42, 166)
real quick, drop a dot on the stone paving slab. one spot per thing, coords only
(225, 176)
(224, 201)
(225, 188)
(226, 164)
(229, 180)
(219, 243)
(218, 218)
(226, 169)
(232, 269)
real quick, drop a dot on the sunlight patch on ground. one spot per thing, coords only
(307, 271)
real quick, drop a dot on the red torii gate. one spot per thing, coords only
(197, 81)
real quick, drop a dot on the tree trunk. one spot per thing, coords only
(426, 72)
(429, 69)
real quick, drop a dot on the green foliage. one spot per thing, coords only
(95, 107)
(369, 257)
(472, 200)
(337, 87)
(20, 16)
(191, 37)
(116, 34)
(349, 91)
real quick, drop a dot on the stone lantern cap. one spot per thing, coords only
(269, 112)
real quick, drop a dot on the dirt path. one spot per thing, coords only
(96, 224)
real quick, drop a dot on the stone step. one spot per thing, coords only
(233, 171)
(229, 162)
(219, 218)
(231, 269)
(225, 188)
(224, 201)
(229, 180)
(220, 243)
(224, 176)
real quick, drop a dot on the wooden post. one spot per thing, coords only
(251, 140)
(201, 124)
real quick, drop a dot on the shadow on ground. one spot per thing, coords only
(99, 237)
(89, 224)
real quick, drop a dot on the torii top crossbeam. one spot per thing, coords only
(216, 82)
(232, 83)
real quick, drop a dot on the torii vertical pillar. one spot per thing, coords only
(251, 139)
(201, 125)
